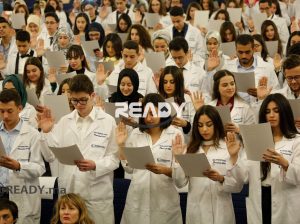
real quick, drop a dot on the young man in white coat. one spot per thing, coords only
(246, 61)
(130, 55)
(188, 32)
(195, 78)
(23, 164)
(291, 70)
(93, 131)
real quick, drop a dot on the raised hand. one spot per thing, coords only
(52, 75)
(197, 99)
(101, 75)
(233, 146)
(178, 148)
(213, 61)
(262, 89)
(277, 62)
(40, 47)
(45, 119)
(121, 134)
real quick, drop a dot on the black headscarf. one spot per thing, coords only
(134, 96)
(98, 28)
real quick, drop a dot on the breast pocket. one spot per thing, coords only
(163, 155)
(22, 153)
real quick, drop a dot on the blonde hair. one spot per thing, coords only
(78, 202)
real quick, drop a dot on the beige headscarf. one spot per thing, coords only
(36, 20)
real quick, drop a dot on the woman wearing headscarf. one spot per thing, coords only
(34, 28)
(28, 112)
(127, 88)
(127, 91)
(63, 39)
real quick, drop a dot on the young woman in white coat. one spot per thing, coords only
(209, 198)
(225, 93)
(152, 196)
(171, 84)
(274, 185)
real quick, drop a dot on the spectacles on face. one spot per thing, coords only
(50, 22)
(291, 78)
(82, 101)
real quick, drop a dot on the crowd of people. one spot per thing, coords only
(199, 76)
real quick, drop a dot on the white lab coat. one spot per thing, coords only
(146, 85)
(241, 112)
(28, 114)
(262, 69)
(285, 186)
(195, 78)
(285, 91)
(152, 198)
(26, 150)
(99, 145)
(45, 91)
(195, 41)
(210, 201)
(283, 30)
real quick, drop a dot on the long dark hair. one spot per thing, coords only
(75, 51)
(264, 51)
(227, 25)
(41, 83)
(155, 99)
(194, 5)
(127, 19)
(86, 18)
(288, 45)
(117, 45)
(219, 132)
(217, 77)
(286, 118)
(179, 83)
(145, 39)
(264, 27)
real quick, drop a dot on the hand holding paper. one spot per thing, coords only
(257, 139)
(139, 157)
(274, 157)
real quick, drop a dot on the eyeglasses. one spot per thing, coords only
(291, 78)
(50, 23)
(82, 101)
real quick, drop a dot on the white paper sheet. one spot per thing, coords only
(109, 66)
(295, 105)
(111, 89)
(90, 47)
(224, 112)
(138, 157)
(18, 20)
(110, 108)
(32, 97)
(193, 164)
(228, 48)
(58, 104)
(152, 19)
(61, 77)
(272, 47)
(55, 58)
(258, 19)
(201, 18)
(155, 60)
(235, 14)
(47, 184)
(123, 37)
(215, 25)
(67, 155)
(257, 138)
(244, 81)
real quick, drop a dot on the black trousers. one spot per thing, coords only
(266, 204)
